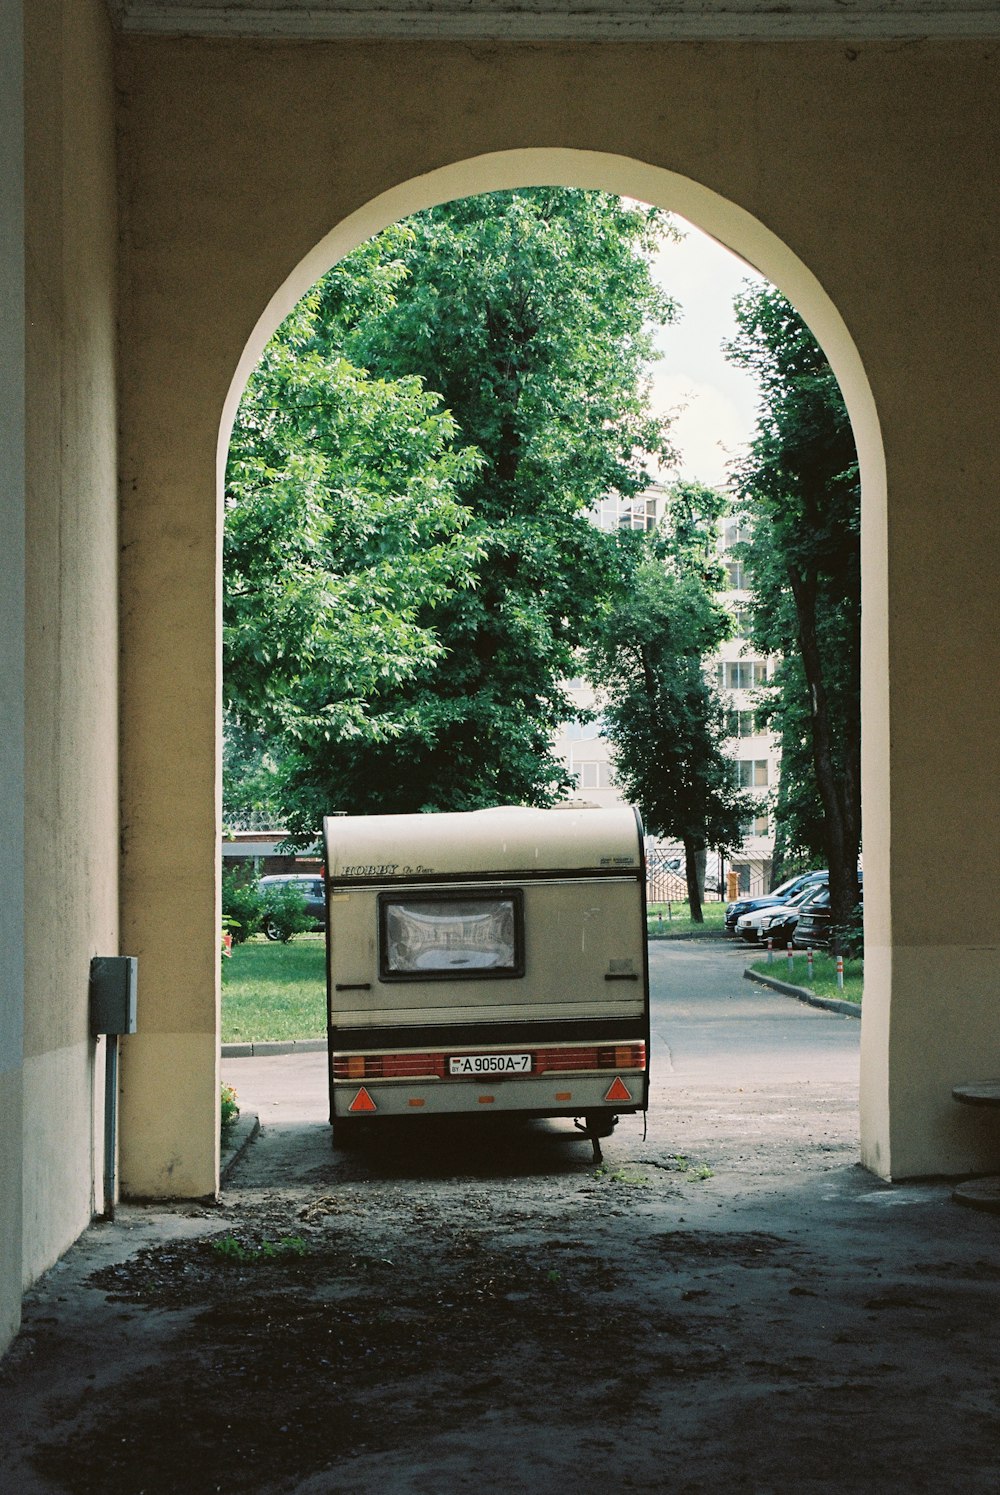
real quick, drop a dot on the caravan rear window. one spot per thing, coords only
(451, 936)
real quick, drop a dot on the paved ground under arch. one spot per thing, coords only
(731, 1303)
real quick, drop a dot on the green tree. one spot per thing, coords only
(799, 492)
(344, 534)
(529, 313)
(251, 778)
(662, 716)
(523, 320)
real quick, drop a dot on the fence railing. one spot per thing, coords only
(665, 881)
(664, 886)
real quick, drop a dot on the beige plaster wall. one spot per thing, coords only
(12, 624)
(862, 176)
(11, 1135)
(71, 788)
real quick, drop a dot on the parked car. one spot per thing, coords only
(781, 894)
(313, 891)
(812, 932)
(776, 921)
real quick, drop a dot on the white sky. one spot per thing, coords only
(719, 401)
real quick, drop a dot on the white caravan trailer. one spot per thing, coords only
(488, 961)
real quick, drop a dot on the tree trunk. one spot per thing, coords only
(777, 876)
(839, 792)
(691, 858)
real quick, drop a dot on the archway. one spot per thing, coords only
(265, 150)
(753, 242)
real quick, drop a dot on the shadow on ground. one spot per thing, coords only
(446, 1310)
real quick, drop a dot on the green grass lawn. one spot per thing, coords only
(824, 979)
(674, 918)
(274, 992)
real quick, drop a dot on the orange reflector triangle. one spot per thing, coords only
(362, 1102)
(618, 1091)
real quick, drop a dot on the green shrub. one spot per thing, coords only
(242, 910)
(229, 1108)
(283, 911)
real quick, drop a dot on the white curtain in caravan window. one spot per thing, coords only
(450, 935)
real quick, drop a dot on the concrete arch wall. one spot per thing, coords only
(58, 619)
(724, 220)
(248, 167)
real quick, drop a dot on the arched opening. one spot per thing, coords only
(739, 231)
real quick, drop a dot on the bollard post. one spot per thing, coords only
(790, 959)
(840, 971)
(770, 950)
(809, 964)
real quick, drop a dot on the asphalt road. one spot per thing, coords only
(716, 1038)
(709, 1022)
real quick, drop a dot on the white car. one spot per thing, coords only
(775, 921)
(748, 926)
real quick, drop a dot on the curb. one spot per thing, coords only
(691, 934)
(242, 1132)
(258, 1050)
(830, 1004)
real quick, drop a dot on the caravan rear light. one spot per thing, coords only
(554, 1060)
(435, 1066)
(388, 1066)
(624, 1056)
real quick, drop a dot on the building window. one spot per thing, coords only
(741, 617)
(577, 731)
(758, 826)
(615, 512)
(595, 775)
(734, 534)
(751, 773)
(741, 724)
(740, 674)
(736, 573)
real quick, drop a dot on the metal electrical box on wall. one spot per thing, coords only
(113, 981)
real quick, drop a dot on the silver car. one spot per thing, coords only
(313, 890)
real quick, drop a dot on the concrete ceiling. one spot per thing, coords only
(561, 20)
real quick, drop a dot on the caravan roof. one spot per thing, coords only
(482, 843)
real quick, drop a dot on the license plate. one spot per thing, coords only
(490, 1064)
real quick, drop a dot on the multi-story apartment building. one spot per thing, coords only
(580, 744)
(738, 674)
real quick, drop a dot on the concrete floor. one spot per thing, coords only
(796, 1324)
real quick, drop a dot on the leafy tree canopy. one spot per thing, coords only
(410, 566)
(344, 530)
(663, 717)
